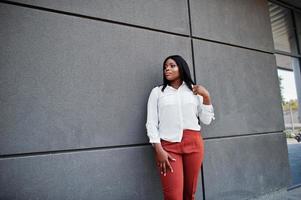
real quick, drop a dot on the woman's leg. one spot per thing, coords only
(172, 183)
(191, 165)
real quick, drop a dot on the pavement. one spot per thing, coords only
(294, 155)
(294, 194)
(292, 141)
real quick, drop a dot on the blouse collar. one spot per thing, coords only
(183, 83)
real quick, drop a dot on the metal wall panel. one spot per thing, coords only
(167, 15)
(244, 89)
(68, 82)
(109, 174)
(245, 22)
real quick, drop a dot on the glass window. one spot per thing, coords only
(286, 29)
(289, 75)
(282, 29)
(285, 62)
(288, 85)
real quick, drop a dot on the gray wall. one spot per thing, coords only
(75, 77)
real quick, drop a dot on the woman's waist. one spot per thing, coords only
(191, 130)
(176, 133)
(174, 130)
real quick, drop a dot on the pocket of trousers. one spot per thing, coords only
(198, 141)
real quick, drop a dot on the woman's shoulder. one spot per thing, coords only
(156, 90)
(157, 87)
(160, 86)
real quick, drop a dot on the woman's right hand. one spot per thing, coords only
(163, 159)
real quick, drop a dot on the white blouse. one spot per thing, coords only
(172, 111)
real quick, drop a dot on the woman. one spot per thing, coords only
(173, 128)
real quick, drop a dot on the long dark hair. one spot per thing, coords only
(184, 71)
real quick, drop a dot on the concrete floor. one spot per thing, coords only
(295, 194)
(294, 154)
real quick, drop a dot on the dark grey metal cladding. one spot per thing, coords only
(296, 66)
(244, 167)
(114, 174)
(168, 15)
(199, 192)
(69, 82)
(243, 86)
(297, 15)
(295, 3)
(244, 23)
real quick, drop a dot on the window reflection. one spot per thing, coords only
(288, 75)
(285, 62)
(282, 28)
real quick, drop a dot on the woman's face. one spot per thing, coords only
(171, 70)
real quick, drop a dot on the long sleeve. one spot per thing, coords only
(205, 112)
(152, 122)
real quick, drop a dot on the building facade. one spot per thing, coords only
(74, 81)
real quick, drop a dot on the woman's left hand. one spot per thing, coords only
(200, 90)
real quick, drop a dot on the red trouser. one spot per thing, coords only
(189, 154)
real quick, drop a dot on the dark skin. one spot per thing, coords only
(172, 74)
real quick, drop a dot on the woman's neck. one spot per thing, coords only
(176, 83)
